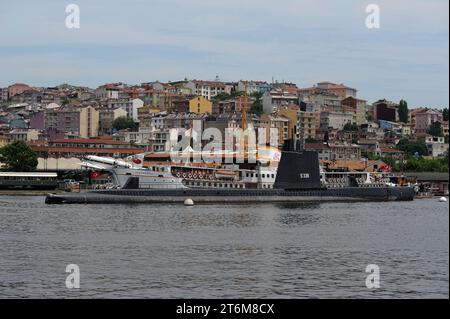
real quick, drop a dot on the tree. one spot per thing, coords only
(435, 129)
(351, 127)
(413, 147)
(403, 111)
(123, 122)
(445, 114)
(257, 106)
(18, 157)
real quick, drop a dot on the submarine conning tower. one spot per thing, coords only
(298, 169)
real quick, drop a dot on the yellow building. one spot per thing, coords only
(89, 122)
(291, 113)
(308, 124)
(200, 105)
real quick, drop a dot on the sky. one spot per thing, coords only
(299, 41)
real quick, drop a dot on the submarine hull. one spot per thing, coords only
(348, 194)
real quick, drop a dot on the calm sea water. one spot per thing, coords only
(219, 251)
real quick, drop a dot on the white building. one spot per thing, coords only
(208, 89)
(436, 146)
(23, 135)
(251, 87)
(335, 120)
(107, 92)
(131, 106)
(132, 110)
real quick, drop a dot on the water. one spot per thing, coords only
(219, 251)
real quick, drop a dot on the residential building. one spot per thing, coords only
(280, 123)
(153, 140)
(444, 125)
(320, 99)
(391, 152)
(3, 95)
(243, 102)
(335, 151)
(340, 90)
(107, 117)
(251, 87)
(208, 89)
(89, 121)
(181, 120)
(334, 120)
(107, 92)
(292, 114)
(17, 88)
(425, 118)
(385, 110)
(344, 151)
(56, 123)
(30, 96)
(131, 106)
(308, 125)
(372, 130)
(23, 135)
(200, 105)
(278, 98)
(359, 106)
(436, 146)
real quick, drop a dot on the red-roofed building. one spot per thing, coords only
(17, 88)
(82, 147)
(340, 90)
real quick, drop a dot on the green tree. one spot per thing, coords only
(18, 157)
(413, 147)
(435, 129)
(257, 106)
(445, 114)
(351, 127)
(123, 122)
(403, 111)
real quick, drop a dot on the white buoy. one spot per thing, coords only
(188, 202)
(443, 200)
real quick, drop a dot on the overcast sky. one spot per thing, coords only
(301, 41)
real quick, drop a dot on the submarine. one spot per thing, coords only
(297, 181)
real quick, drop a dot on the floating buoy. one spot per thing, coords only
(188, 202)
(443, 200)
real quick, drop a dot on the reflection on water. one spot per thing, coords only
(297, 206)
(224, 251)
(298, 219)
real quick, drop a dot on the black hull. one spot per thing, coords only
(121, 196)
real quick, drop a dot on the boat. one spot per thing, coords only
(298, 179)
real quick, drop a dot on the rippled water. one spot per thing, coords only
(217, 251)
